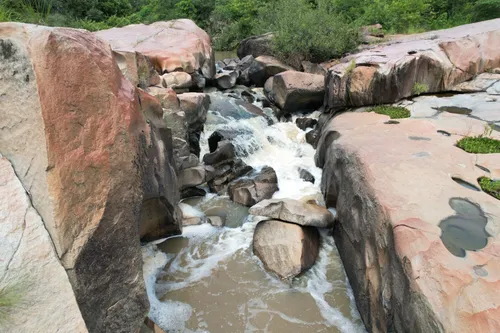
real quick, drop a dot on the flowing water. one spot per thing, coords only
(208, 280)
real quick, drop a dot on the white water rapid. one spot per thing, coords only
(208, 280)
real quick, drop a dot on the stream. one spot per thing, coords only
(209, 280)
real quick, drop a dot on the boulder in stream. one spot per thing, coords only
(226, 80)
(306, 175)
(254, 188)
(256, 46)
(294, 211)
(264, 67)
(285, 249)
(304, 123)
(294, 91)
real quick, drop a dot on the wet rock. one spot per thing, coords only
(177, 80)
(255, 46)
(151, 327)
(243, 69)
(254, 188)
(388, 72)
(199, 81)
(79, 153)
(248, 96)
(137, 68)
(28, 253)
(293, 91)
(294, 211)
(235, 108)
(192, 192)
(226, 80)
(285, 249)
(312, 137)
(188, 161)
(304, 123)
(195, 107)
(392, 228)
(195, 176)
(225, 152)
(263, 67)
(186, 222)
(216, 221)
(226, 172)
(306, 175)
(178, 45)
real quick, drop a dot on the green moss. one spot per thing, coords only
(395, 112)
(350, 68)
(492, 187)
(11, 297)
(479, 145)
(420, 88)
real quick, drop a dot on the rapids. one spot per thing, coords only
(208, 280)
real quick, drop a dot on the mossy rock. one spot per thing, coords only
(479, 145)
(492, 187)
(395, 112)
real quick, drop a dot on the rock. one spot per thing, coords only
(195, 107)
(172, 46)
(294, 91)
(425, 241)
(294, 211)
(306, 175)
(390, 72)
(480, 83)
(192, 192)
(263, 67)
(226, 172)
(195, 176)
(304, 123)
(193, 221)
(199, 81)
(216, 221)
(256, 46)
(312, 137)
(494, 89)
(167, 97)
(151, 327)
(254, 188)
(226, 80)
(285, 249)
(137, 69)
(313, 68)
(30, 267)
(225, 152)
(177, 80)
(243, 68)
(79, 153)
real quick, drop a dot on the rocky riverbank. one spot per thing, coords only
(114, 139)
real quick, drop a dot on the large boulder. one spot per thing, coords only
(418, 238)
(178, 45)
(29, 266)
(71, 126)
(263, 67)
(256, 46)
(294, 91)
(137, 68)
(294, 211)
(254, 188)
(226, 80)
(285, 249)
(195, 107)
(426, 63)
(178, 81)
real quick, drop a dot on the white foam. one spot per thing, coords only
(189, 211)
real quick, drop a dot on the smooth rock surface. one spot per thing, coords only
(294, 211)
(30, 267)
(418, 239)
(178, 45)
(226, 80)
(78, 152)
(137, 69)
(285, 249)
(293, 91)
(177, 80)
(263, 67)
(434, 61)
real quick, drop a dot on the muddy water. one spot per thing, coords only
(208, 280)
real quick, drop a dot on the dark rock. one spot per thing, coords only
(312, 137)
(306, 175)
(304, 123)
(224, 153)
(226, 172)
(192, 192)
(313, 68)
(255, 46)
(226, 80)
(254, 188)
(263, 67)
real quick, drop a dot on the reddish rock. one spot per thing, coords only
(71, 126)
(137, 69)
(264, 67)
(178, 45)
(294, 91)
(435, 61)
(420, 246)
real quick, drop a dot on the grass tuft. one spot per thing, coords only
(395, 112)
(492, 187)
(479, 145)
(420, 88)
(11, 298)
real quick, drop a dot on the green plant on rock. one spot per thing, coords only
(11, 298)
(395, 112)
(419, 88)
(349, 69)
(479, 145)
(488, 129)
(492, 187)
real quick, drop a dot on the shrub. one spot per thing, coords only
(395, 112)
(420, 88)
(492, 187)
(479, 145)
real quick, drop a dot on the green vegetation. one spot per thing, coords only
(11, 297)
(350, 68)
(305, 29)
(492, 187)
(479, 145)
(419, 88)
(395, 112)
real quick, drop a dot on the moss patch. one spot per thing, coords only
(479, 145)
(395, 112)
(492, 187)
(11, 297)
